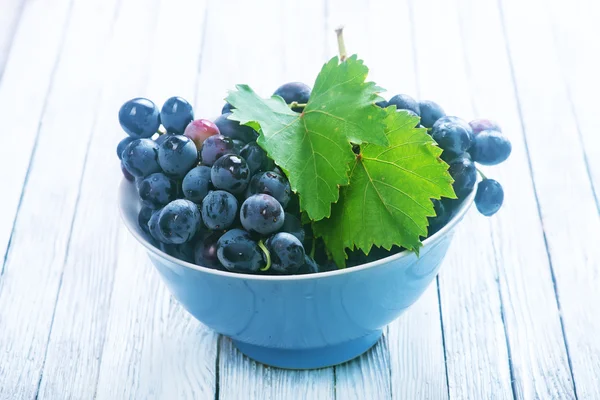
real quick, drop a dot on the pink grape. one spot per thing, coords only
(199, 130)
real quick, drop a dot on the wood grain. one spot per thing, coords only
(529, 304)
(475, 342)
(566, 199)
(9, 20)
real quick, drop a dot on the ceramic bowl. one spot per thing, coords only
(299, 321)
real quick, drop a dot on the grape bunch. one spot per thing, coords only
(209, 194)
(463, 144)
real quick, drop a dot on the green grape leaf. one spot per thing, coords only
(389, 196)
(314, 148)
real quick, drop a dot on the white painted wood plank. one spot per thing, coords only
(276, 50)
(567, 205)
(23, 88)
(415, 366)
(537, 349)
(9, 19)
(475, 343)
(88, 304)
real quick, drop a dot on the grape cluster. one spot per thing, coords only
(463, 144)
(209, 194)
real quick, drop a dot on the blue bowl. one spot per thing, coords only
(299, 321)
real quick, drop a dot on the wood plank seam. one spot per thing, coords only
(437, 284)
(37, 134)
(535, 190)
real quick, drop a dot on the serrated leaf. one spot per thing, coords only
(389, 196)
(314, 147)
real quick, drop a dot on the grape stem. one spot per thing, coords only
(341, 46)
(267, 255)
(294, 104)
(482, 174)
(161, 130)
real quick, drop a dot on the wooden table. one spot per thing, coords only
(515, 311)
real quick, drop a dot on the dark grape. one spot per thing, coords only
(442, 216)
(232, 129)
(179, 221)
(287, 253)
(154, 228)
(262, 214)
(464, 173)
(219, 209)
(449, 158)
(199, 130)
(157, 190)
(310, 266)
(214, 148)
(183, 251)
(122, 144)
(126, 173)
(230, 173)
(256, 158)
(490, 148)
(489, 197)
(143, 217)
(196, 183)
(452, 134)
(382, 104)
(227, 108)
(405, 102)
(292, 225)
(139, 117)
(273, 184)
(238, 145)
(205, 251)
(140, 158)
(176, 114)
(479, 125)
(430, 113)
(161, 139)
(239, 253)
(177, 155)
(294, 91)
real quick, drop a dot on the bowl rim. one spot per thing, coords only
(430, 241)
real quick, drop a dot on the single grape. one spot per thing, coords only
(126, 173)
(227, 108)
(287, 253)
(449, 157)
(310, 266)
(143, 217)
(176, 114)
(205, 251)
(140, 158)
(219, 209)
(237, 252)
(230, 173)
(183, 251)
(430, 113)
(452, 134)
(294, 91)
(199, 130)
(442, 216)
(405, 102)
(177, 155)
(161, 138)
(293, 206)
(490, 148)
(139, 117)
(154, 228)
(464, 173)
(256, 158)
(179, 221)
(232, 129)
(262, 214)
(214, 148)
(382, 104)
(196, 184)
(273, 184)
(489, 197)
(157, 190)
(292, 225)
(479, 125)
(122, 144)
